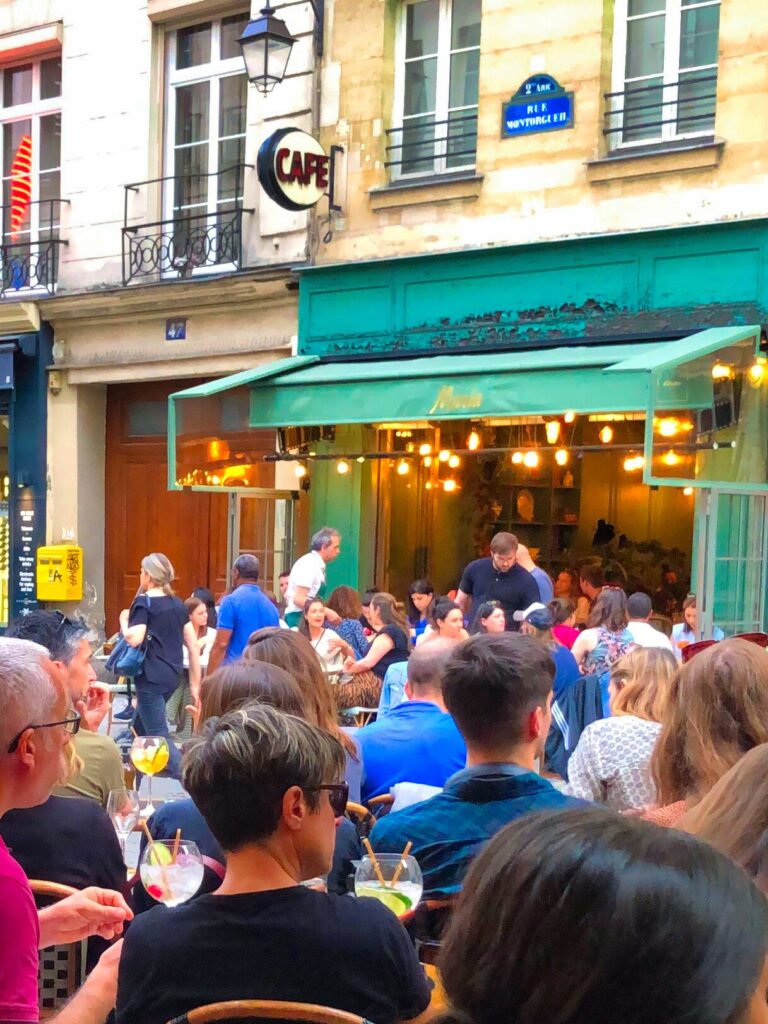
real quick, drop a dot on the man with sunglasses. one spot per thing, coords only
(268, 786)
(37, 722)
(68, 643)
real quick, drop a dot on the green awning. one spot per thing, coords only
(455, 386)
(235, 380)
(674, 353)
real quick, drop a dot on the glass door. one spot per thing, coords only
(263, 526)
(732, 577)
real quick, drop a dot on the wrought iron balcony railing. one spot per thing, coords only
(31, 261)
(662, 112)
(203, 235)
(424, 146)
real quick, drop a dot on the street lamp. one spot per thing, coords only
(266, 44)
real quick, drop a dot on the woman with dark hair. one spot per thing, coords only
(204, 595)
(606, 638)
(446, 620)
(291, 651)
(421, 593)
(229, 687)
(181, 699)
(345, 601)
(489, 618)
(325, 641)
(583, 916)
(564, 618)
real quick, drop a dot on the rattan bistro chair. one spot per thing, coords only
(62, 968)
(266, 1009)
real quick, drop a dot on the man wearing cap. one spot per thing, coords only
(537, 621)
(498, 578)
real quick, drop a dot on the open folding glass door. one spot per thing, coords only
(732, 562)
(263, 526)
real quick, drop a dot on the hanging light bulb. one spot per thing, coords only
(425, 449)
(668, 426)
(474, 441)
(758, 370)
(633, 462)
(561, 457)
(342, 467)
(449, 485)
(552, 430)
(454, 461)
(671, 459)
(403, 468)
(428, 485)
(427, 461)
(300, 470)
(517, 458)
(569, 417)
(444, 455)
(688, 491)
(360, 458)
(720, 371)
(606, 434)
(531, 459)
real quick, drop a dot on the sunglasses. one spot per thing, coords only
(71, 726)
(338, 795)
(63, 623)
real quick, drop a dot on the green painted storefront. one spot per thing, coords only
(535, 329)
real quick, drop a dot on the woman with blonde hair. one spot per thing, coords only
(158, 620)
(733, 816)
(611, 764)
(717, 712)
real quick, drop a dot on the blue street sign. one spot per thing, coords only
(539, 105)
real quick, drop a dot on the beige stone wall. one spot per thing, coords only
(545, 186)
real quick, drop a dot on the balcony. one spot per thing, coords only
(663, 113)
(423, 147)
(31, 261)
(204, 235)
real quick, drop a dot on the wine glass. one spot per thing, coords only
(123, 809)
(149, 755)
(171, 873)
(403, 881)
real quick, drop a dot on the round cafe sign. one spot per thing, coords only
(293, 169)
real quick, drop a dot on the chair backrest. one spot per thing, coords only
(761, 639)
(663, 623)
(62, 968)
(261, 1009)
(691, 650)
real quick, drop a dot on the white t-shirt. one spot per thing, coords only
(307, 571)
(646, 636)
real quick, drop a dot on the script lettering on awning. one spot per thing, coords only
(448, 401)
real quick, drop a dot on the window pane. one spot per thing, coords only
(17, 86)
(12, 135)
(696, 101)
(645, 6)
(50, 78)
(50, 142)
(231, 30)
(420, 77)
(462, 139)
(231, 155)
(645, 47)
(50, 188)
(421, 28)
(698, 36)
(147, 419)
(193, 46)
(465, 24)
(192, 113)
(417, 155)
(234, 94)
(191, 185)
(465, 70)
(642, 110)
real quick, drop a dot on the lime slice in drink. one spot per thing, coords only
(396, 901)
(160, 855)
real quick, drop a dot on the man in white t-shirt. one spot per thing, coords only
(640, 610)
(308, 574)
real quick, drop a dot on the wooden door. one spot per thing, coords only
(142, 515)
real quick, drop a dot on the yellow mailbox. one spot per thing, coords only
(60, 573)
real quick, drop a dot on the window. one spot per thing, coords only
(665, 70)
(436, 88)
(31, 138)
(205, 142)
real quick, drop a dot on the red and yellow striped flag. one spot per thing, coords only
(21, 185)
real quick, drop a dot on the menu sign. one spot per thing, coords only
(24, 544)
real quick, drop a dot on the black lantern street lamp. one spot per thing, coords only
(267, 45)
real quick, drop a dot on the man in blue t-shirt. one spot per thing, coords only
(418, 740)
(242, 612)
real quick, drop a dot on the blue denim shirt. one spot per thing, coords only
(448, 830)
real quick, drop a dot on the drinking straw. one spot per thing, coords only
(151, 841)
(135, 734)
(176, 841)
(400, 866)
(374, 861)
(147, 833)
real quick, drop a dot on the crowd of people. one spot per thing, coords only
(584, 802)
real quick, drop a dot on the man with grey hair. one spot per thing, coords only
(307, 577)
(242, 612)
(36, 724)
(418, 740)
(269, 787)
(68, 642)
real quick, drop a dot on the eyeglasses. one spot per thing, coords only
(63, 623)
(338, 795)
(71, 725)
